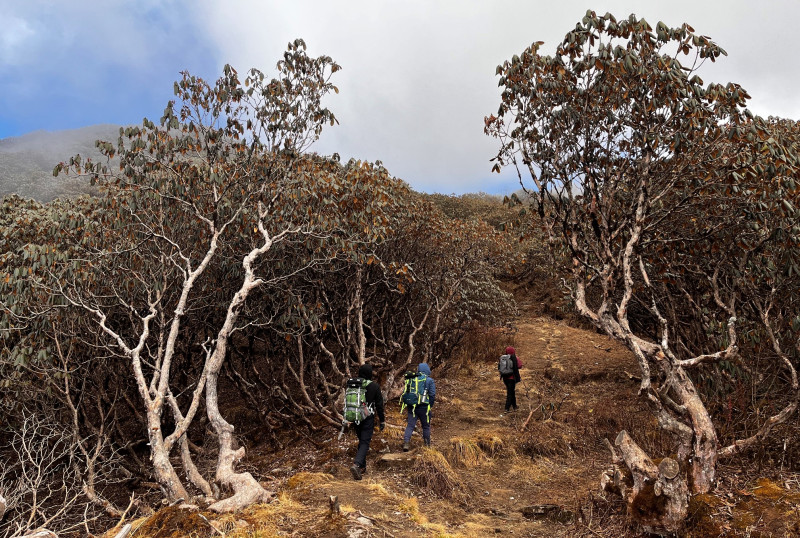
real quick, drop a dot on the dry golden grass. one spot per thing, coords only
(433, 473)
(135, 525)
(378, 489)
(257, 521)
(411, 508)
(302, 479)
(470, 452)
(492, 444)
(539, 471)
(270, 520)
(547, 439)
(465, 453)
(395, 434)
(436, 530)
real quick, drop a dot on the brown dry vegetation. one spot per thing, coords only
(486, 475)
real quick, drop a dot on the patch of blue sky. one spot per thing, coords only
(58, 71)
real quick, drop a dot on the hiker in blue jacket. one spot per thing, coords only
(425, 387)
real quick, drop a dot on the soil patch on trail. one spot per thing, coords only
(531, 472)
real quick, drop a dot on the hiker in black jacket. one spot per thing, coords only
(364, 429)
(511, 380)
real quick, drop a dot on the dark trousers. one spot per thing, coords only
(420, 412)
(511, 393)
(364, 434)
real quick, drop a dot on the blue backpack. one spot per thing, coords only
(415, 391)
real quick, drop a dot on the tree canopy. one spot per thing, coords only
(637, 167)
(222, 263)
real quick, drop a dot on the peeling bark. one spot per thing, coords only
(359, 308)
(189, 467)
(163, 470)
(246, 490)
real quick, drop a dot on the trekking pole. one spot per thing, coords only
(341, 433)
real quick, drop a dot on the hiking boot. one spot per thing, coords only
(428, 443)
(356, 471)
(406, 447)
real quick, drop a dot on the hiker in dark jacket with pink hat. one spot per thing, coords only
(509, 373)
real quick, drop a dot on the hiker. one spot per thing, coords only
(509, 365)
(372, 402)
(419, 396)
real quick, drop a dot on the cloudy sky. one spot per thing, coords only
(417, 79)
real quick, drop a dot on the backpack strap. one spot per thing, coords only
(406, 386)
(364, 384)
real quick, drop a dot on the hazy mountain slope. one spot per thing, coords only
(27, 162)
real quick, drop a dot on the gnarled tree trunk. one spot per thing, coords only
(657, 496)
(163, 469)
(246, 489)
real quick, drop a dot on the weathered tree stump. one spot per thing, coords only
(657, 496)
(333, 502)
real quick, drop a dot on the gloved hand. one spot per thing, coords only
(382, 426)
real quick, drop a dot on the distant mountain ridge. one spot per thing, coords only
(27, 161)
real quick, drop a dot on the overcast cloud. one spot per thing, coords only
(417, 78)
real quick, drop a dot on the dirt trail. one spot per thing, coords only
(486, 475)
(484, 472)
(574, 390)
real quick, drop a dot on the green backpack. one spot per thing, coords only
(355, 400)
